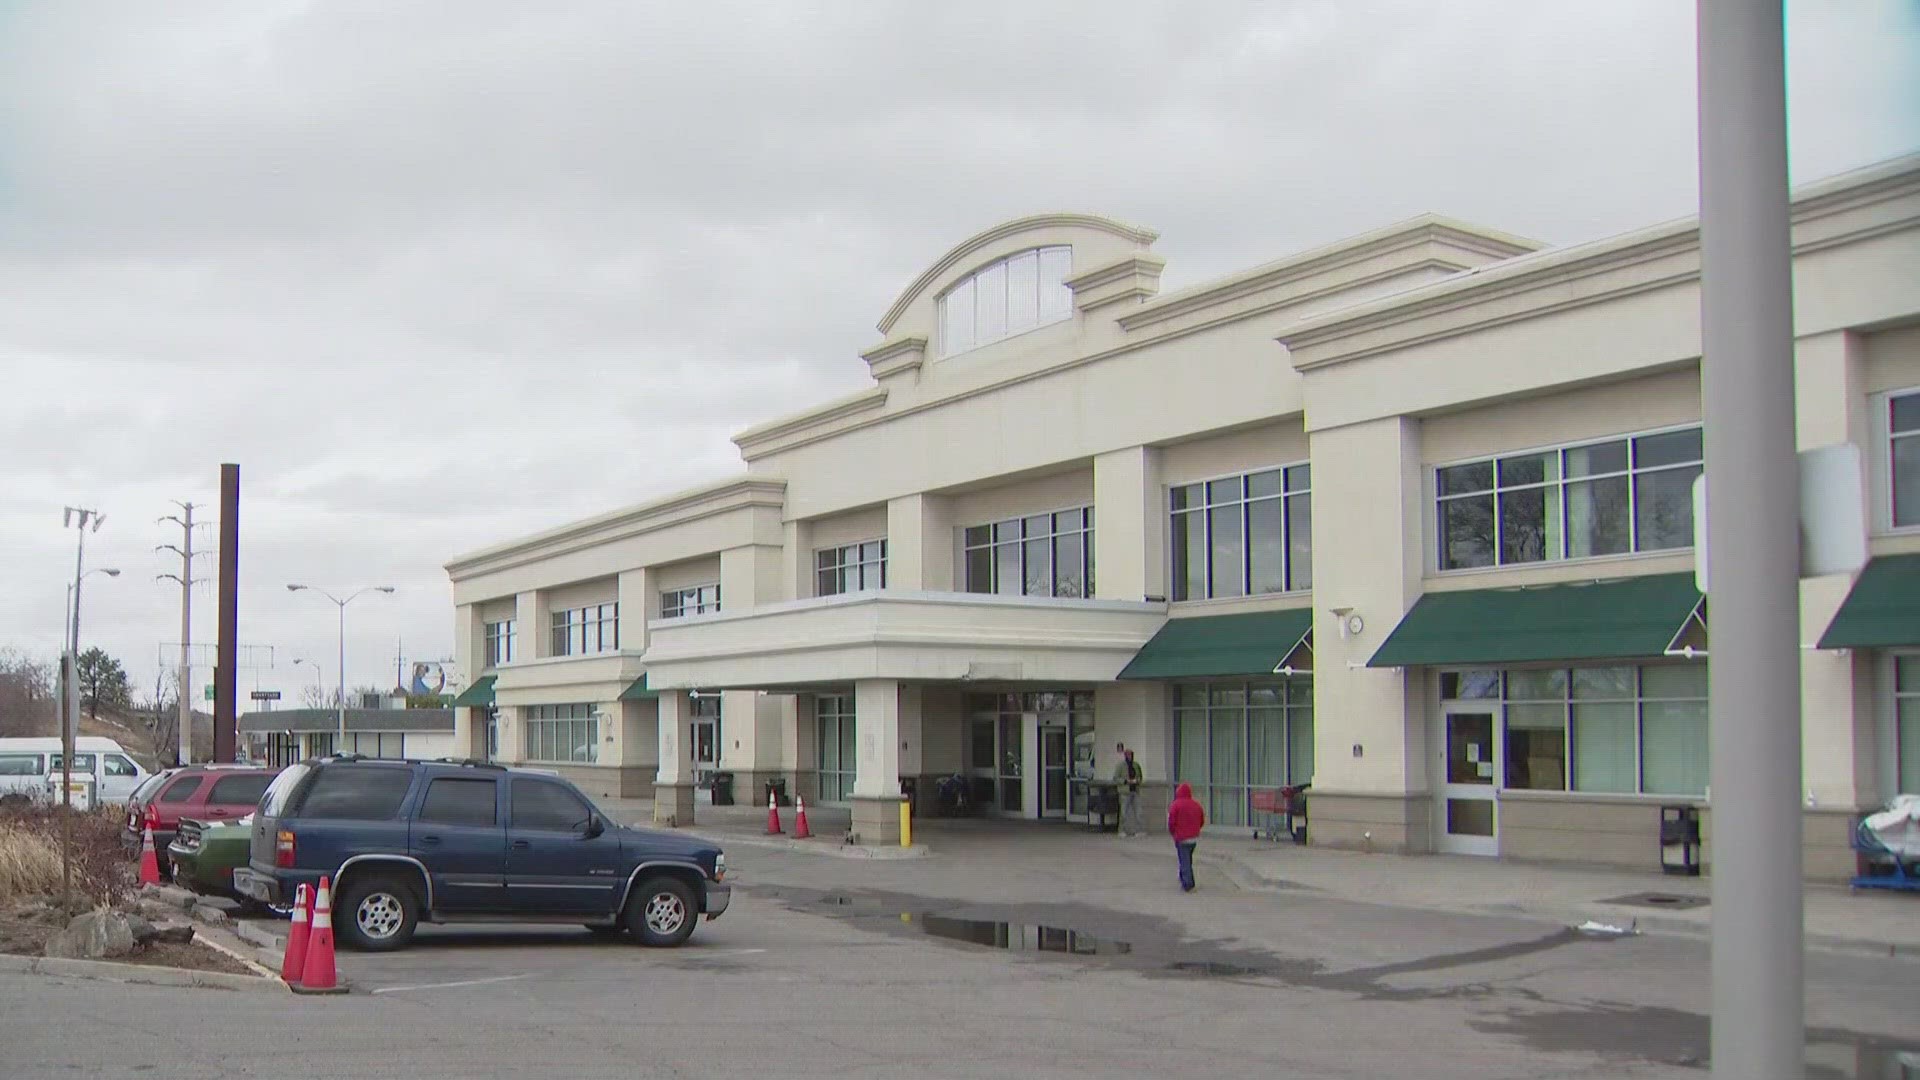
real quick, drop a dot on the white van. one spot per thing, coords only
(29, 768)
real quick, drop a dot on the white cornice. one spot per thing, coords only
(901, 354)
(1415, 232)
(732, 493)
(966, 248)
(865, 401)
(1545, 275)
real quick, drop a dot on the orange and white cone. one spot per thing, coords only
(773, 816)
(800, 830)
(293, 966)
(149, 859)
(318, 972)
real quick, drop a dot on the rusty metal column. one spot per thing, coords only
(225, 676)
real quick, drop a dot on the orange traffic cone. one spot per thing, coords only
(293, 965)
(318, 975)
(149, 859)
(773, 816)
(800, 830)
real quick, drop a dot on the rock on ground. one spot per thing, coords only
(97, 935)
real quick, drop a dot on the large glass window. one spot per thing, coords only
(1230, 737)
(1244, 535)
(834, 728)
(1906, 728)
(1011, 296)
(705, 709)
(568, 733)
(851, 568)
(1903, 431)
(591, 629)
(1041, 555)
(376, 744)
(1625, 730)
(1577, 502)
(500, 643)
(693, 600)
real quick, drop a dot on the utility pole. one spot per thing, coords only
(184, 753)
(1753, 542)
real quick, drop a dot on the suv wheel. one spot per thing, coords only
(662, 911)
(376, 914)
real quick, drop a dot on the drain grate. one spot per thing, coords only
(1667, 901)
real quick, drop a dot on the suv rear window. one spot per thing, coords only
(357, 793)
(242, 790)
(460, 801)
(182, 789)
(274, 802)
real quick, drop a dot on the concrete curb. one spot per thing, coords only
(139, 974)
(816, 846)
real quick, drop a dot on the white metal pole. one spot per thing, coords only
(341, 748)
(1746, 309)
(185, 734)
(71, 729)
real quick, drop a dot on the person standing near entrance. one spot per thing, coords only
(1126, 777)
(1185, 819)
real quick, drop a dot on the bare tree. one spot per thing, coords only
(26, 694)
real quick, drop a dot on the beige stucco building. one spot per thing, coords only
(1408, 516)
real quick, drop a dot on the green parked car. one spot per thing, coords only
(204, 854)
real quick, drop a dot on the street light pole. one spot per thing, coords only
(1753, 542)
(341, 703)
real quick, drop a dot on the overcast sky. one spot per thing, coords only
(438, 274)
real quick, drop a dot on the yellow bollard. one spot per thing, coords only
(906, 823)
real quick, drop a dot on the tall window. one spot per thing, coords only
(1630, 730)
(1244, 535)
(591, 629)
(833, 716)
(1906, 705)
(1012, 296)
(706, 730)
(851, 568)
(1232, 736)
(569, 734)
(1576, 502)
(491, 716)
(694, 600)
(500, 643)
(1903, 429)
(1042, 555)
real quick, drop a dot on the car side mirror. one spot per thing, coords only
(595, 827)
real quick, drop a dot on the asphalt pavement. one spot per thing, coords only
(1060, 955)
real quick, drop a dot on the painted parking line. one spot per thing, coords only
(449, 985)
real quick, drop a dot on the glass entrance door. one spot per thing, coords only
(1469, 765)
(1053, 772)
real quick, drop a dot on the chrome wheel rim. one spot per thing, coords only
(666, 913)
(379, 915)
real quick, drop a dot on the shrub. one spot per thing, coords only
(29, 865)
(30, 853)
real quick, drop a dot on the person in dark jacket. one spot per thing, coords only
(1185, 819)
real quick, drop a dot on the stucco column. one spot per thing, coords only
(531, 625)
(796, 560)
(638, 603)
(673, 783)
(920, 543)
(876, 781)
(751, 576)
(1129, 525)
(1370, 784)
(469, 651)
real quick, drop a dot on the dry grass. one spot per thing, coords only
(29, 864)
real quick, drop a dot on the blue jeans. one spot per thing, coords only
(1184, 849)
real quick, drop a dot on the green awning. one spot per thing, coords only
(479, 695)
(637, 691)
(1602, 620)
(1883, 609)
(1250, 643)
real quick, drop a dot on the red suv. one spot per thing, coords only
(210, 793)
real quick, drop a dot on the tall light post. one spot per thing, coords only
(70, 625)
(342, 605)
(317, 673)
(79, 520)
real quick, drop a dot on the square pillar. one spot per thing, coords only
(876, 781)
(532, 626)
(638, 602)
(920, 543)
(1129, 525)
(673, 783)
(751, 577)
(796, 561)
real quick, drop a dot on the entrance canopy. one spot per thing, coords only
(1601, 620)
(479, 695)
(1249, 643)
(637, 691)
(1883, 610)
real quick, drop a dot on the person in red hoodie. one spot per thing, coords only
(1185, 819)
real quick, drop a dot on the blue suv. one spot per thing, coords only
(459, 841)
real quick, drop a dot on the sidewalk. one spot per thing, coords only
(1836, 917)
(748, 825)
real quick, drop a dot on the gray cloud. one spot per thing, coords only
(441, 273)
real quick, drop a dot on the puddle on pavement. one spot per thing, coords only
(1016, 937)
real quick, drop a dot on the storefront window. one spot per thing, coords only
(1233, 737)
(1906, 703)
(833, 714)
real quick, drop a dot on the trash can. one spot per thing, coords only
(723, 789)
(1680, 840)
(777, 790)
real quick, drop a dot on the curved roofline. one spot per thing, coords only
(974, 243)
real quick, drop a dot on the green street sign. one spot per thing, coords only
(209, 691)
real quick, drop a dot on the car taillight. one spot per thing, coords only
(153, 817)
(283, 850)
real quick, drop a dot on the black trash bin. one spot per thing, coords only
(723, 789)
(1680, 840)
(910, 787)
(777, 789)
